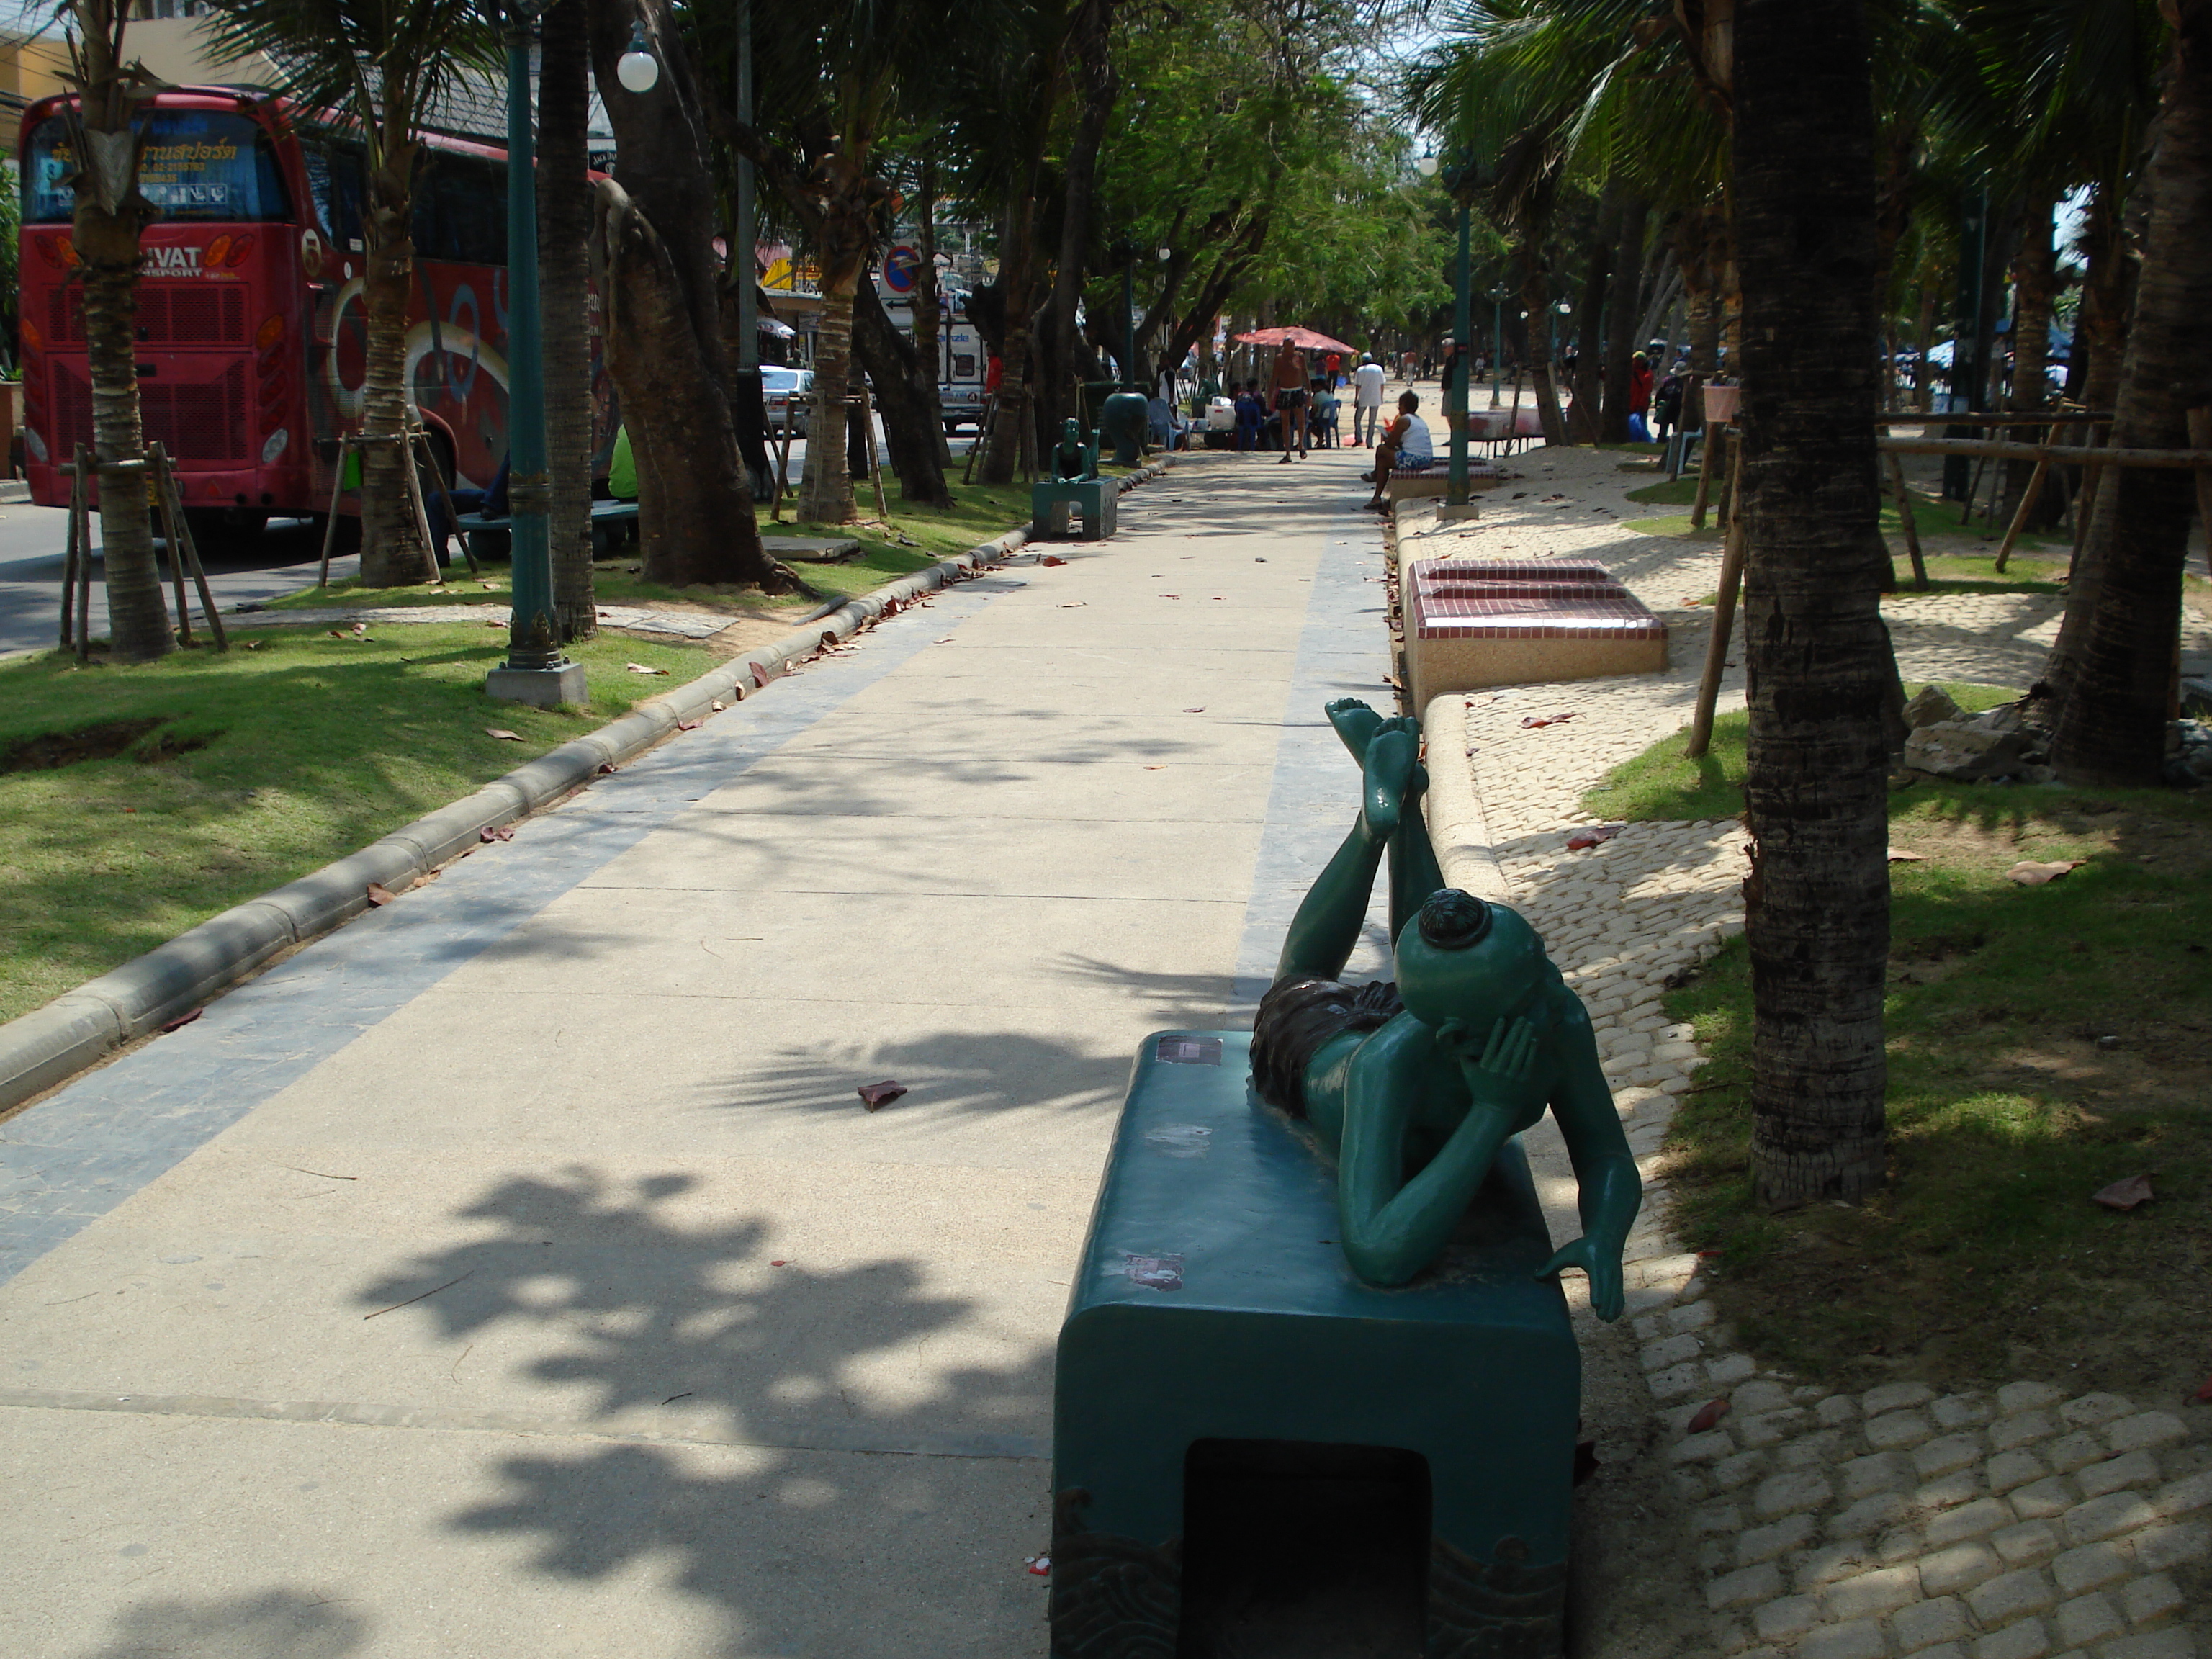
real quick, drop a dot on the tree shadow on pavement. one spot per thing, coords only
(834, 1458)
(278, 1624)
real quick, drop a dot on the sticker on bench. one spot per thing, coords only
(1188, 1051)
(1180, 1140)
(1154, 1272)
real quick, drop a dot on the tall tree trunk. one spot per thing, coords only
(2107, 288)
(1002, 458)
(1701, 288)
(1585, 424)
(564, 230)
(1620, 341)
(826, 496)
(1088, 49)
(928, 354)
(2123, 607)
(906, 396)
(1818, 666)
(663, 332)
(1536, 300)
(1923, 337)
(392, 552)
(2035, 277)
(108, 216)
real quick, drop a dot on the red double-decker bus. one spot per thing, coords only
(253, 325)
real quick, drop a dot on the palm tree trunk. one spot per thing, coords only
(927, 351)
(564, 229)
(2034, 284)
(1588, 424)
(107, 248)
(108, 216)
(1002, 458)
(826, 496)
(1817, 899)
(2124, 610)
(392, 553)
(1621, 339)
(1536, 300)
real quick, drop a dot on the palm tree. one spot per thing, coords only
(103, 229)
(2124, 608)
(381, 65)
(1817, 899)
(564, 229)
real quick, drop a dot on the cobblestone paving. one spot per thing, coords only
(2013, 1526)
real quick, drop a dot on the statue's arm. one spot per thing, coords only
(1611, 1192)
(1392, 1228)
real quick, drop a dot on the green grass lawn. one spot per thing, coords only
(1983, 1260)
(250, 769)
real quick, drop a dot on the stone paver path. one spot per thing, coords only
(2013, 1526)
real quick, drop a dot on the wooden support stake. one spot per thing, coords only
(414, 499)
(1715, 436)
(1717, 647)
(167, 481)
(70, 554)
(170, 538)
(875, 466)
(2028, 498)
(80, 506)
(1905, 517)
(982, 437)
(331, 523)
(446, 499)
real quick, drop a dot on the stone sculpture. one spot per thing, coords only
(1414, 1086)
(1071, 461)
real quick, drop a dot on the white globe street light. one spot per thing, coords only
(638, 69)
(1426, 166)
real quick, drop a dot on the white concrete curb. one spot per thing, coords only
(42, 1047)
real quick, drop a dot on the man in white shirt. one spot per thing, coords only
(1405, 441)
(1367, 400)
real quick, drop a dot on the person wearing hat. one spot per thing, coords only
(1366, 399)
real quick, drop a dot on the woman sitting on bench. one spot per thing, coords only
(1406, 437)
(1414, 1086)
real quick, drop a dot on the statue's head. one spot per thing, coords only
(1462, 958)
(1070, 433)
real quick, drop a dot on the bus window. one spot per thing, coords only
(460, 209)
(334, 179)
(196, 164)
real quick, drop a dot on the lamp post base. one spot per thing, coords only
(541, 688)
(1448, 511)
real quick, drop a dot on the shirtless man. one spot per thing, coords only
(1479, 1036)
(1290, 387)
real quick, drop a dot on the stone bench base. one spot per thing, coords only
(1472, 623)
(1255, 1452)
(1415, 486)
(1052, 506)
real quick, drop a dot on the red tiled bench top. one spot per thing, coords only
(1513, 570)
(1448, 603)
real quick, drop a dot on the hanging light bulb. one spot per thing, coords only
(638, 69)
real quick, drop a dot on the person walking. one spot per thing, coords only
(1366, 400)
(1640, 399)
(1666, 404)
(1290, 388)
(1453, 378)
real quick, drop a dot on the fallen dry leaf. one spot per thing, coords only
(181, 1021)
(2028, 873)
(489, 623)
(1051, 558)
(361, 628)
(607, 768)
(1898, 856)
(1201, 710)
(687, 725)
(1708, 1414)
(718, 706)
(877, 1096)
(379, 894)
(1073, 604)
(1170, 596)
(1156, 768)
(945, 640)
(2205, 1393)
(2125, 1194)
(497, 832)
(1595, 835)
(639, 668)
(1537, 722)
(502, 733)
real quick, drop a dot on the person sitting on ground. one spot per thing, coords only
(1415, 1086)
(1407, 436)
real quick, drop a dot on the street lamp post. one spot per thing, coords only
(1458, 181)
(1498, 296)
(536, 670)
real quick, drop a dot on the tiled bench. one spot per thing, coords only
(1472, 623)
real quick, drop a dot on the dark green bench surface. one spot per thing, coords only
(1214, 1304)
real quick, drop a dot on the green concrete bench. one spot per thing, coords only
(607, 519)
(1255, 1452)
(1053, 502)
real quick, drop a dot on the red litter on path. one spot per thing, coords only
(1537, 722)
(877, 1096)
(1593, 836)
(1708, 1414)
(1040, 1566)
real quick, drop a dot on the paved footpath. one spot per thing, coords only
(517, 1271)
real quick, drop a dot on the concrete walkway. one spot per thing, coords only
(517, 1272)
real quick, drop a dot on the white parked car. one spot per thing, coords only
(787, 391)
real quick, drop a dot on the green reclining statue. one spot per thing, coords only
(1415, 1086)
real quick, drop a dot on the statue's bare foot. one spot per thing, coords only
(1392, 759)
(1356, 723)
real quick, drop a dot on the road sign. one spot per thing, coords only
(902, 269)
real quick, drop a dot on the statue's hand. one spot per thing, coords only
(1602, 1266)
(1498, 1070)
